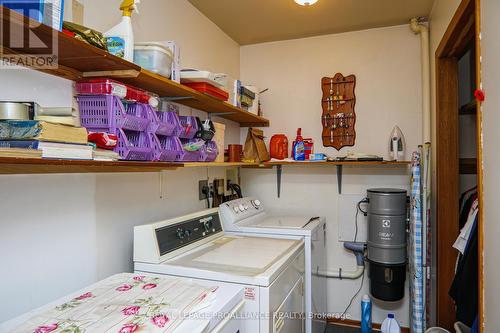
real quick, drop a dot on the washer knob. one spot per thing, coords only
(257, 203)
(236, 209)
(188, 233)
(180, 233)
(241, 207)
(208, 226)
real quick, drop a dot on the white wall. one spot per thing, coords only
(386, 63)
(62, 232)
(490, 52)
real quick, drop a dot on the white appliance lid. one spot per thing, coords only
(286, 222)
(247, 256)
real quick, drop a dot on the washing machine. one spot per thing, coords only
(249, 216)
(270, 270)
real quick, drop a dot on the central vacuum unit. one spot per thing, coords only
(387, 225)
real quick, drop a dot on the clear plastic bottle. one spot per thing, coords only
(390, 325)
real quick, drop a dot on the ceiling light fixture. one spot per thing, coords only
(306, 2)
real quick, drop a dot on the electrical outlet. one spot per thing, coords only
(203, 184)
(231, 178)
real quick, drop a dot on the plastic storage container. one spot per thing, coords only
(189, 126)
(163, 123)
(212, 151)
(101, 87)
(135, 146)
(208, 89)
(107, 112)
(193, 156)
(154, 57)
(112, 87)
(166, 148)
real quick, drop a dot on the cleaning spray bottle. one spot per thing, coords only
(120, 38)
(366, 314)
(298, 151)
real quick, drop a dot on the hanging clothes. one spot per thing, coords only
(464, 288)
(416, 249)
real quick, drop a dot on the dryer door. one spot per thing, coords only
(289, 317)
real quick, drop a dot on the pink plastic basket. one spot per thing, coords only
(163, 123)
(134, 146)
(108, 111)
(166, 148)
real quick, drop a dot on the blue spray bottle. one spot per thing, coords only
(298, 150)
(366, 314)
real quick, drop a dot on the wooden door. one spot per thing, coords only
(463, 30)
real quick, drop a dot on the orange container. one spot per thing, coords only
(278, 146)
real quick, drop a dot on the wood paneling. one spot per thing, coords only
(447, 179)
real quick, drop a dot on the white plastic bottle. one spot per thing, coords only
(120, 38)
(390, 325)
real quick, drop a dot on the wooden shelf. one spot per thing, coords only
(468, 109)
(341, 163)
(78, 60)
(467, 166)
(10, 165)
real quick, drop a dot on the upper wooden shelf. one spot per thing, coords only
(78, 60)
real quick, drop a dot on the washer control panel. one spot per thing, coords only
(175, 236)
(239, 209)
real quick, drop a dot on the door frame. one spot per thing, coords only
(463, 29)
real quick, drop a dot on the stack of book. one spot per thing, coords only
(42, 139)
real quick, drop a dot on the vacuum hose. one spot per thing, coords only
(358, 249)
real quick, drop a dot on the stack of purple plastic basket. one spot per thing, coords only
(207, 152)
(144, 134)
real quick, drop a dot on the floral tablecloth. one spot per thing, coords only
(124, 303)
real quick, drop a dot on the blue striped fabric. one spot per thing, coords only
(415, 249)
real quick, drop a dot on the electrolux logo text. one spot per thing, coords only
(24, 42)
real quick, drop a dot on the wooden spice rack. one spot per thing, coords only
(338, 118)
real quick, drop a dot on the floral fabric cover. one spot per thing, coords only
(124, 303)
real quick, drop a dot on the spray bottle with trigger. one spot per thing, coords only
(120, 38)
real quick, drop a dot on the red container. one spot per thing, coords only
(208, 89)
(112, 87)
(278, 146)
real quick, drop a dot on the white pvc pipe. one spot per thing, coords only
(422, 29)
(341, 274)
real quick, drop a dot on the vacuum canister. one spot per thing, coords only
(387, 222)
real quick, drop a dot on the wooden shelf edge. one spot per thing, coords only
(345, 163)
(10, 165)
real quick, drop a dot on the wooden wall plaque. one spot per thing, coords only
(338, 117)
